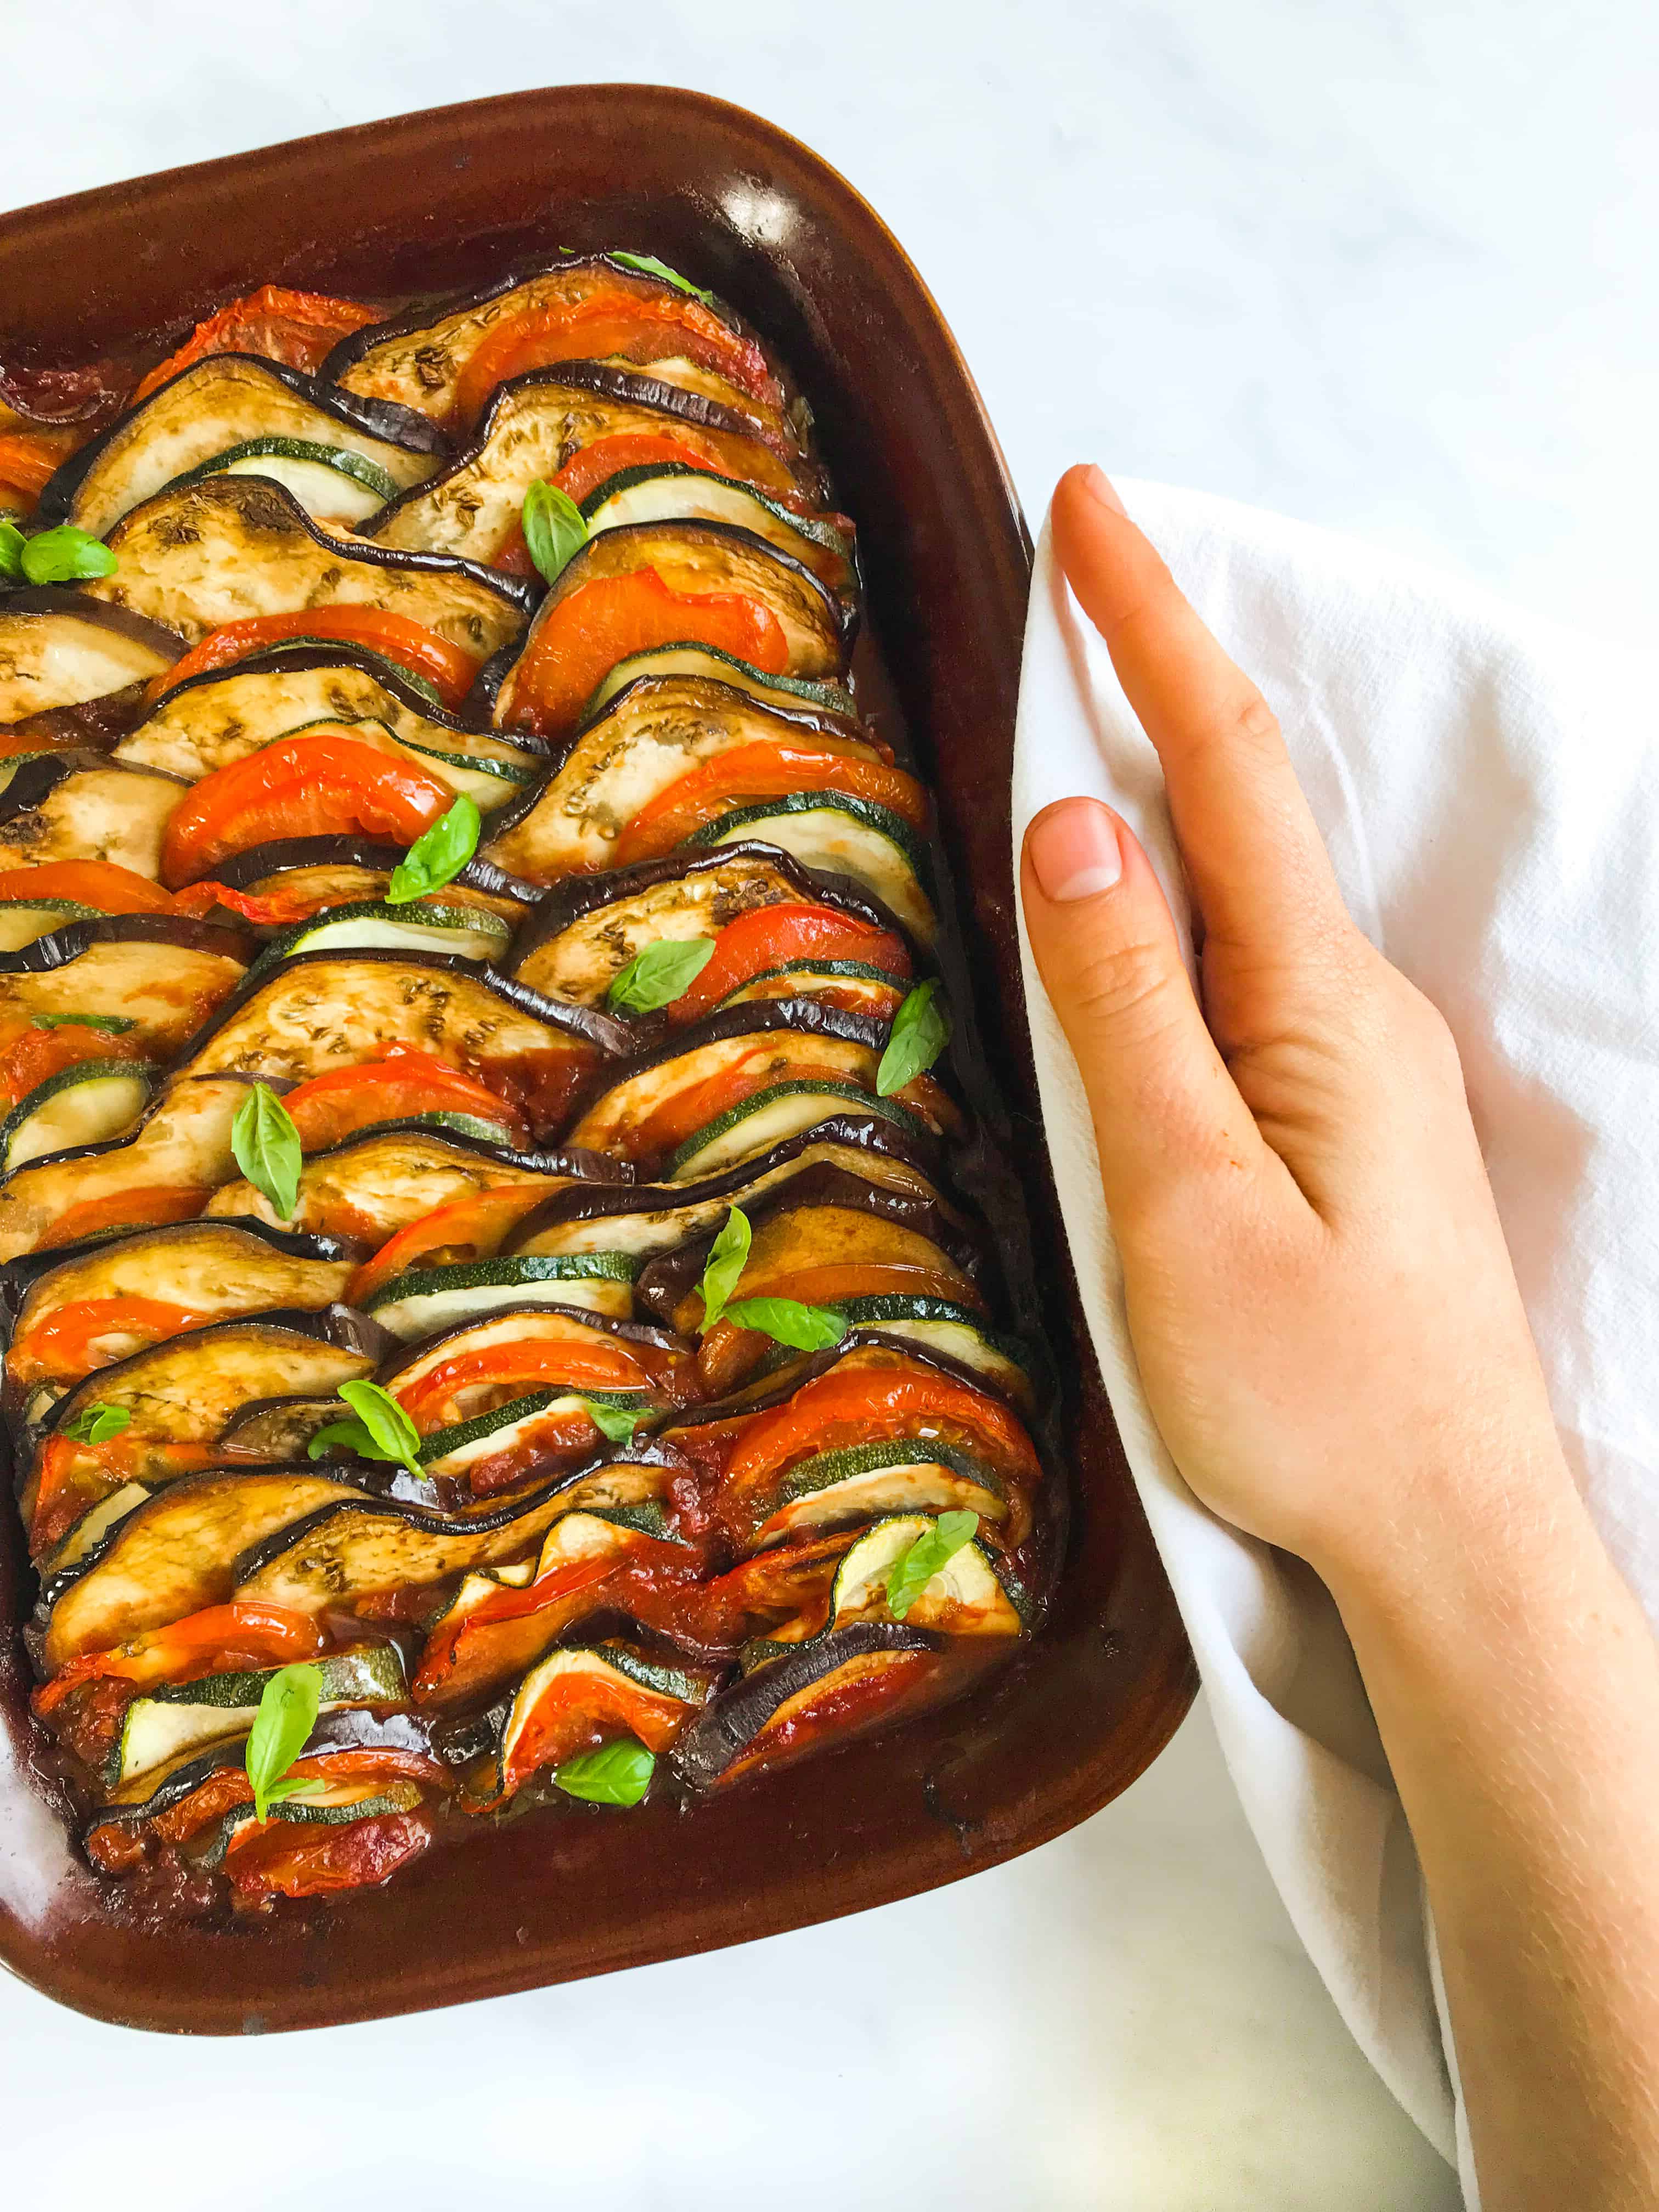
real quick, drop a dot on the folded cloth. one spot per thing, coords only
(1489, 790)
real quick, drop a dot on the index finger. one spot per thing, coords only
(1258, 867)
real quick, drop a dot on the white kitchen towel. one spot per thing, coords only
(1488, 786)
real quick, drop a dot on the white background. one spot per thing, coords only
(1384, 268)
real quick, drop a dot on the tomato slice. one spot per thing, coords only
(404, 1081)
(699, 1103)
(30, 1058)
(284, 1859)
(433, 1401)
(410, 644)
(296, 328)
(601, 622)
(638, 327)
(855, 1405)
(149, 1206)
(201, 898)
(768, 771)
(222, 1637)
(299, 788)
(87, 1334)
(576, 1714)
(466, 1229)
(99, 884)
(29, 459)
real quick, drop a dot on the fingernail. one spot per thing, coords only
(1074, 848)
(1099, 485)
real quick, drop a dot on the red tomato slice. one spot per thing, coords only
(584, 637)
(773, 936)
(448, 1647)
(97, 884)
(299, 788)
(282, 1859)
(640, 327)
(751, 772)
(29, 461)
(146, 1208)
(466, 1229)
(864, 1405)
(855, 1698)
(74, 1476)
(30, 1058)
(433, 1402)
(402, 1083)
(410, 644)
(577, 1715)
(201, 899)
(89, 1332)
(214, 1641)
(296, 328)
(228, 1787)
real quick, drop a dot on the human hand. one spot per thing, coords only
(1324, 1313)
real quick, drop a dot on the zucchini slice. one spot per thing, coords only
(160, 974)
(966, 1597)
(77, 806)
(59, 649)
(785, 693)
(86, 1104)
(415, 1304)
(657, 730)
(584, 932)
(452, 1453)
(21, 921)
(532, 426)
(467, 932)
(489, 781)
(956, 1331)
(174, 1720)
(226, 713)
(782, 1111)
(333, 485)
(202, 555)
(626, 1694)
(227, 405)
(699, 557)
(854, 984)
(897, 1475)
(832, 832)
(673, 492)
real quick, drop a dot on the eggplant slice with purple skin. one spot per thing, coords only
(155, 973)
(198, 556)
(60, 651)
(218, 404)
(344, 871)
(79, 805)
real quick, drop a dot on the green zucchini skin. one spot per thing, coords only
(92, 1103)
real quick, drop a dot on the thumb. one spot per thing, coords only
(1166, 1109)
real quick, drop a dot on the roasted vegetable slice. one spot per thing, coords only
(674, 491)
(464, 1370)
(60, 649)
(840, 833)
(158, 977)
(412, 1305)
(206, 554)
(577, 1698)
(75, 806)
(220, 404)
(695, 657)
(296, 877)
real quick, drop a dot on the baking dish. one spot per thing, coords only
(453, 197)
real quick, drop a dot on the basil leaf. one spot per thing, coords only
(114, 1024)
(12, 542)
(66, 555)
(727, 1257)
(660, 973)
(287, 1715)
(95, 1424)
(804, 1329)
(352, 1434)
(648, 265)
(437, 855)
(916, 1567)
(920, 1031)
(266, 1146)
(293, 1785)
(615, 1774)
(393, 1435)
(553, 530)
(616, 1422)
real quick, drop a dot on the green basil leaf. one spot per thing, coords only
(393, 1435)
(553, 530)
(660, 973)
(920, 1031)
(437, 855)
(616, 1422)
(95, 1424)
(648, 265)
(916, 1567)
(804, 1329)
(112, 1024)
(728, 1255)
(266, 1146)
(352, 1434)
(12, 542)
(615, 1774)
(287, 1715)
(66, 555)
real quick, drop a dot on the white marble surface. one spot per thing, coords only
(1383, 267)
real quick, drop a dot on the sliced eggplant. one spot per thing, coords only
(220, 405)
(839, 835)
(173, 1721)
(657, 730)
(225, 713)
(532, 428)
(464, 932)
(230, 548)
(270, 1429)
(314, 873)
(606, 1690)
(78, 806)
(182, 1145)
(93, 1527)
(158, 974)
(784, 693)
(322, 1010)
(673, 492)
(413, 1304)
(692, 558)
(59, 649)
(355, 1547)
(86, 1104)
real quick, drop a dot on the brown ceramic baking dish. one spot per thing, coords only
(454, 197)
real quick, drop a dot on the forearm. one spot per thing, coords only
(1516, 1684)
